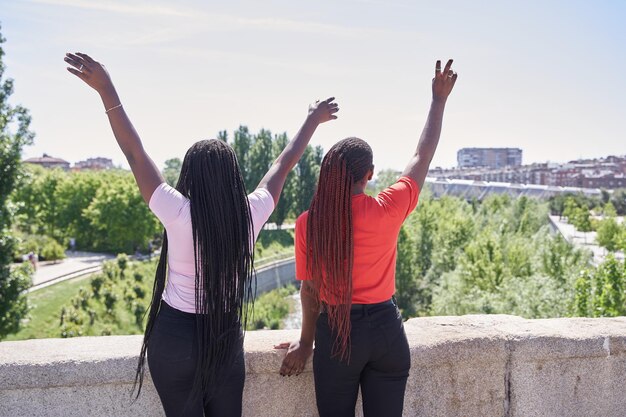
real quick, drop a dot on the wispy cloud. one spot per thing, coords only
(138, 8)
(298, 26)
(221, 22)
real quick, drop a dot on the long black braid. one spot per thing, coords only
(222, 235)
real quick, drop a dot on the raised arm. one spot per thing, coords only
(442, 87)
(274, 179)
(96, 76)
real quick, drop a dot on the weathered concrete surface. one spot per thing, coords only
(276, 274)
(461, 366)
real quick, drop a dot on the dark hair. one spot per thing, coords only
(222, 237)
(330, 248)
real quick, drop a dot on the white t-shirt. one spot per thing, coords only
(172, 209)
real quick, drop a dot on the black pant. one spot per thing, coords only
(172, 358)
(379, 364)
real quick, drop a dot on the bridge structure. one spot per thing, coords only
(471, 189)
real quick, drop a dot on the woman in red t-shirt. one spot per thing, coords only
(346, 259)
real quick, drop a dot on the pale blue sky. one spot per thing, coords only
(545, 76)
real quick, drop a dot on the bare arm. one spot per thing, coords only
(274, 179)
(299, 352)
(442, 87)
(96, 76)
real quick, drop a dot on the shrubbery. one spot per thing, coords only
(102, 210)
(116, 300)
(112, 303)
(271, 308)
(495, 256)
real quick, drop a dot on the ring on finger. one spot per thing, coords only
(81, 67)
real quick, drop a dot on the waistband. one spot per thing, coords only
(170, 311)
(365, 307)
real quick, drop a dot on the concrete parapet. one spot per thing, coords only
(276, 274)
(461, 366)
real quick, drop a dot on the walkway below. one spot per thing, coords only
(582, 240)
(74, 265)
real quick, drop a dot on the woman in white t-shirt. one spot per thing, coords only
(193, 337)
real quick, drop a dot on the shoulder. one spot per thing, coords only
(400, 198)
(402, 183)
(302, 218)
(261, 196)
(167, 203)
(165, 192)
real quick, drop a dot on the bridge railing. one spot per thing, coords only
(461, 366)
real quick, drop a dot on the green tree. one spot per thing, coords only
(171, 171)
(407, 289)
(52, 251)
(580, 218)
(242, 145)
(119, 217)
(483, 264)
(426, 222)
(557, 257)
(308, 170)
(609, 295)
(609, 210)
(285, 204)
(222, 135)
(609, 234)
(569, 208)
(618, 200)
(557, 205)
(260, 158)
(75, 195)
(621, 241)
(582, 300)
(40, 211)
(384, 179)
(14, 135)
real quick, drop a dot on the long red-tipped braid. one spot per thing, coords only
(330, 246)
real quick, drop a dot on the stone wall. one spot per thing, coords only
(275, 275)
(461, 366)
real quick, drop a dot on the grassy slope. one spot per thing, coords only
(46, 303)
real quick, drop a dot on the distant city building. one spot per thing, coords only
(94, 163)
(602, 173)
(489, 157)
(48, 161)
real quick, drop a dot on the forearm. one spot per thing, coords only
(295, 148)
(277, 174)
(432, 129)
(144, 169)
(123, 129)
(310, 314)
(427, 145)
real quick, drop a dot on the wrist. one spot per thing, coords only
(439, 101)
(109, 97)
(304, 342)
(108, 93)
(312, 118)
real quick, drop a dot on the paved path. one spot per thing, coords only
(582, 240)
(76, 264)
(274, 226)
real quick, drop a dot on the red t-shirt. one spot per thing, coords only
(376, 222)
